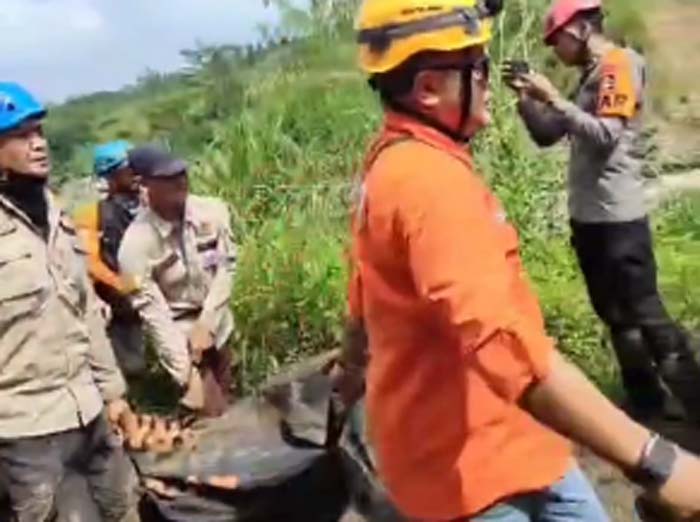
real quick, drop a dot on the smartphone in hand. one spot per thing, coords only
(515, 68)
(513, 73)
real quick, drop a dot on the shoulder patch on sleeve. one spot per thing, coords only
(212, 213)
(617, 96)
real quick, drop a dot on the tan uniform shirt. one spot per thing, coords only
(56, 364)
(182, 276)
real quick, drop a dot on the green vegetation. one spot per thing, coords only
(279, 131)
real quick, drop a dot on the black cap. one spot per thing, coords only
(150, 161)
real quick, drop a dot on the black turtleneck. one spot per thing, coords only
(29, 195)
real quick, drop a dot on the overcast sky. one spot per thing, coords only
(61, 48)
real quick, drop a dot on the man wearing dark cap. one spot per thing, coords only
(180, 256)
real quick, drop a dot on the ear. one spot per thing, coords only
(427, 88)
(585, 30)
(582, 29)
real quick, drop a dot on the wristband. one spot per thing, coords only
(656, 463)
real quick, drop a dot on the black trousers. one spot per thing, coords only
(35, 467)
(618, 264)
(617, 260)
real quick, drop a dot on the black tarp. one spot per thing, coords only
(285, 448)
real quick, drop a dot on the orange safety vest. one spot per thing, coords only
(87, 221)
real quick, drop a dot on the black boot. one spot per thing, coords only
(646, 397)
(678, 365)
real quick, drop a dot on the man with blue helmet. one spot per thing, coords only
(57, 370)
(102, 225)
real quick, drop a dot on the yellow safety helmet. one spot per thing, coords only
(390, 32)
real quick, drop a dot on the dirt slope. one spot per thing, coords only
(675, 29)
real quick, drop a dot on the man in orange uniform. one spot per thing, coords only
(461, 376)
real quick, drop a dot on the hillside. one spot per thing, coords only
(676, 40)
(278, 130)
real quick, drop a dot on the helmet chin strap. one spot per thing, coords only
(466, 110)
(468, 102)
(585, 50)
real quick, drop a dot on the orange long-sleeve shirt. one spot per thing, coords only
(88, 225)
(456, 334)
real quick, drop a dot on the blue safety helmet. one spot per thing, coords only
(110, 157)
(17, 105)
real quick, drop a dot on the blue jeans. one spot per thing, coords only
(570, 500)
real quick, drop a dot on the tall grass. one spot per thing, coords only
(286, 163)
(285, 159)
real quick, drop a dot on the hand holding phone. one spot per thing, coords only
(513, 72)
(516, 67)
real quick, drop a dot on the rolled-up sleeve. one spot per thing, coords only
(170, 342)
(460, 267)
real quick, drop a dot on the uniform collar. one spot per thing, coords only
(166, 228)
(397, 123)
(53, 210)
(596, 59)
